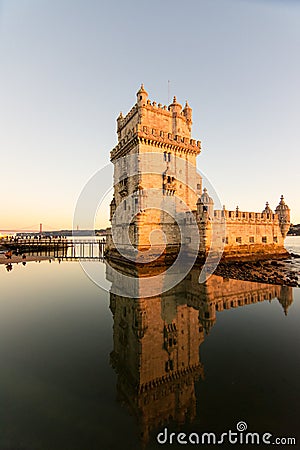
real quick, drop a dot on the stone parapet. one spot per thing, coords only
(244, 216)
(156, 138)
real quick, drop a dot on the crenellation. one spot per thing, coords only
(245, 216)
(157, 137)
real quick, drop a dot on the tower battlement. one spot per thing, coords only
(153, 124)
(172, 119)
(157, 138)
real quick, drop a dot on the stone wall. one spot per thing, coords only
(241, 233)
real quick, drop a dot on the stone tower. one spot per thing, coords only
(158, 205)
(154, 173)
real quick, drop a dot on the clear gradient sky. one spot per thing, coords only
(69, 66)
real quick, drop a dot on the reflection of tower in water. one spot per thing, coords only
(157, 340)
(156, 356)
(285, 298)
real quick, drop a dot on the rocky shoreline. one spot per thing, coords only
(284, 272)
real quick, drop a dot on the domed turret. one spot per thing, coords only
(282, 205)
(205, 198)
(283, 212)
(142, 95)
(187, 112)
(175, 107)
(267, 209)
(205, 203)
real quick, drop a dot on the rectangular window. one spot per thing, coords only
(275, 239)
(264, 239)
(251, 239)
(161, 134)
(169, 157)
(225, 240)
(238, 240)
(165, 156)
(124, 204)
(198, 186)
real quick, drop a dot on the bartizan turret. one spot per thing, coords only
(205, 205)
(187, 112)
(267, 209)
(142, 96)
(283, 212)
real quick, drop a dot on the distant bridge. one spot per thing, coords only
(39, 228)
(36, 228)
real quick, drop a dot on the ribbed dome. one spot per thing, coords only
(267, 209)
(205, 198)
(282, 206)
(142, 90)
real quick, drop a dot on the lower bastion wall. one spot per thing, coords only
(241, 234)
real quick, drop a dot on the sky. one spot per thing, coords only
(68, 67)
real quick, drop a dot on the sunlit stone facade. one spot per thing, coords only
(157, 189)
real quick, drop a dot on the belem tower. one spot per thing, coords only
(160, 198)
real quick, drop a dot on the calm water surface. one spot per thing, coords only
(82, 369)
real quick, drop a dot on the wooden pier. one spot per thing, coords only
(87, 249)
(57, 247)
